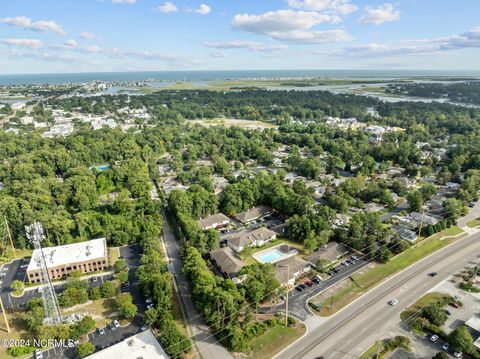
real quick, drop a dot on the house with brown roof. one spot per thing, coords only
(288, 270)
(253, 214)
(255, 238)
(227, 263)
(331, 252)
(214, 221)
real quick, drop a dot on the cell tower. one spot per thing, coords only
(50, 303)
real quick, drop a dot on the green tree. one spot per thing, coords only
(108, 290)
(126, 308)
(461, 339)
(17, 287)
(85, 349)
(120, 265)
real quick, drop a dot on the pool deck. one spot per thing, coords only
(259, 256)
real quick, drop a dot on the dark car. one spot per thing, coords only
(300, 288)
(112, 327)
(433, 274)
(100, 331)
(316, 280)
(335, 270)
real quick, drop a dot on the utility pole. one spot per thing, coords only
(286, 310)
(10, 236)
(4, 315)
(421, 224)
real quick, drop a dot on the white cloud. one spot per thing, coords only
(31, 43)
(203, 9)
(292, 26)
(218, 54)
(281, 21)
(468, 39)
(87, 35)
(341, 7)
(24, 22)
(312, 37)
(71, 43)
(379, 15)
(124, 1)
(168, 7)
(241, 44)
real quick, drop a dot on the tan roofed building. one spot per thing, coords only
(253, 213)
(256, 238)
(86, 257)
(213, 221)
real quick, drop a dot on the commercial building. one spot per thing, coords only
(143, 345)
(86, 257)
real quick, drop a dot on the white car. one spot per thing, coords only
(116, 323)
(393, 302)
(458, 354)
(433, 338)
(445, 346)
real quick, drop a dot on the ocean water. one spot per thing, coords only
(60, 78)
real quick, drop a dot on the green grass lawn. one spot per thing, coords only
(274, 340)
(374, 275)
(370, 352)
(474, 223)
(8, 256)
(427, 299)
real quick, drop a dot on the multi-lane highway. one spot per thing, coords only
(353, 330)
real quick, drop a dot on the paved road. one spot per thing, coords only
(205, 345)
(354, 329)
(297, 304)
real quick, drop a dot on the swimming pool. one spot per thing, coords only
(273, 255)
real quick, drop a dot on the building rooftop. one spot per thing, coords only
(253, 213)
(289, 266)
(247, 238)
(474, 322)
(330, 252)
(70, 253)
(214, 219)
(227, 261)
(143, 345)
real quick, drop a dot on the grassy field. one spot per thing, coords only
(474, 223)
(370, 352)
(274, 340)
(18, 330)
(8, 256)
(422, 303)
(102, 310)
(376, 273)
(113, 255)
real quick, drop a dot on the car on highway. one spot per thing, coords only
(458, 354)
(445, 346)
(393, 302)
(432, 274)
(433, 338)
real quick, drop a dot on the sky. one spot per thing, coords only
(55, 36)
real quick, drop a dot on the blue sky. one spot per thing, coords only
(135, 35)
